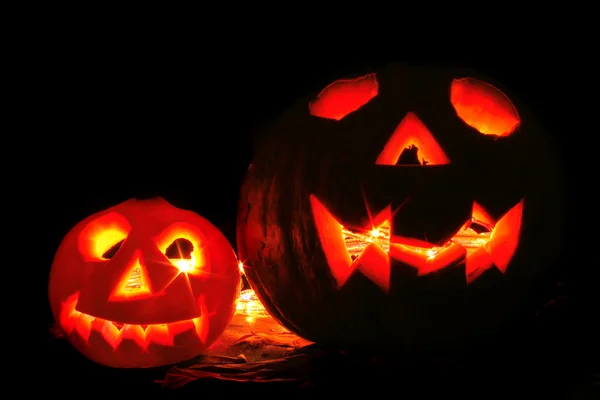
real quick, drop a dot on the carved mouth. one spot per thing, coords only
(114, 333)
(481, 242)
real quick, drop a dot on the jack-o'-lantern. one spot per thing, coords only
(412, 208)
(143, 284)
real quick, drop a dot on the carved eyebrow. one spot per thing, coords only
(344, 96)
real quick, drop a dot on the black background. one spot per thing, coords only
(141, 117)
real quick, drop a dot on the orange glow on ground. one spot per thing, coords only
(483, 107)
(344, 96)
(114, 333)
(368, 250)
(249, 306)
(412, 132)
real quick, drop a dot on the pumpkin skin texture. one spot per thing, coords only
(143, 284)
(412, 209)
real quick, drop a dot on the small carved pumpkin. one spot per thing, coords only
(143, 284)
(409, 208)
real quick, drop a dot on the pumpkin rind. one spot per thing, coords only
(334, 161)
(124, 301)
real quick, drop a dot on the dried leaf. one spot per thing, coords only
(286, 369)
(56, 332)
(284, 339)
(213, 359)
(550, 304)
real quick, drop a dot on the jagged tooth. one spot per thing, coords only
(159, 334)
(374, 263)
(201, 324)
(83, 326)
(134, 332)
(111, 334)
(117, 325)
(144, 327)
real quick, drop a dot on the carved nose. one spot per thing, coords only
(412, 134)
(134, 282)
(144, 276)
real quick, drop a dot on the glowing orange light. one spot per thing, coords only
(412, 132)
(349, 251)
(135, 285)
(504, 239)
(196, 263)
(115, 333)
(344, 96)
(103, 233)
(372, 260)
(428, 260)
(184, 265)
(250, 306)
(483, 107)
(357, 241)
(134, 282)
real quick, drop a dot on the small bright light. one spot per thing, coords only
(375, 233)
(241, 266)
(431, 253)
(250, 306)
(184, 264)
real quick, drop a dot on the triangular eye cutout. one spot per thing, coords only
(133, 283)
(412, 144)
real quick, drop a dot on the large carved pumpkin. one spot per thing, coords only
(143, 284)
(412, 208)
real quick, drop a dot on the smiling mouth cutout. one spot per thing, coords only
(115, 333)
(481, 243)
